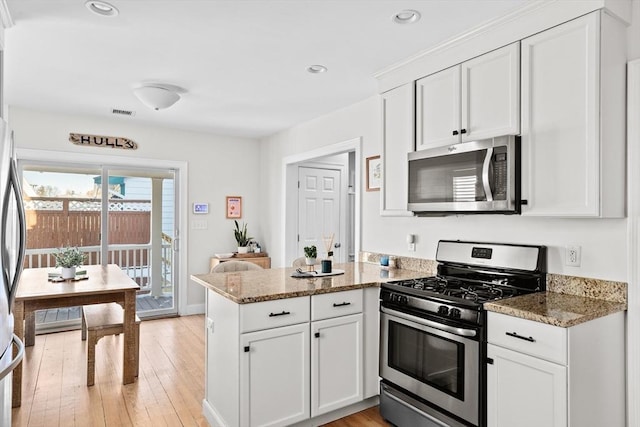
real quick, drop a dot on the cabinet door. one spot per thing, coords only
(491, 94)
(274, 376)
(438, 109)
(524, 391)
(336, 363)
(561, 120)
(397, 141)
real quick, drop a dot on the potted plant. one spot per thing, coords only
(242, 238)
(69, 258)
(310, 254)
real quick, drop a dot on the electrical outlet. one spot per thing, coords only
(573, 255)
(411, 246)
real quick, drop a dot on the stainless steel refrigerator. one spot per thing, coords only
(12, 247)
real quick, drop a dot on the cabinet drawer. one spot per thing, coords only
(536, 339)
(273, 314)
(336, 304)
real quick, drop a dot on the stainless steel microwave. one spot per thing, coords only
(472, 177)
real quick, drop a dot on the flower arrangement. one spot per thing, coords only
(69, 257)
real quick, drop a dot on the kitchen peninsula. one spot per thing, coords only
(283, 350)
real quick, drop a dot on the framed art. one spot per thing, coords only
(234, 207)
(374, 173)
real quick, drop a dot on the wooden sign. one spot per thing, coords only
(102, 141)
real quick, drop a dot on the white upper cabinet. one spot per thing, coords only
(491, 94)
(398, 118)
(477, 99)
(573, 120)
(438, 109)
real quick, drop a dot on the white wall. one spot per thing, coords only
(633, 33)
(217, 168)
(603, 241)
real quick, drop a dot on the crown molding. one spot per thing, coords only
(535, 16)
(477, 31)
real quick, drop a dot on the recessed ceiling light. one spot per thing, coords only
(316, 69)
(407, 16)
(101, 8)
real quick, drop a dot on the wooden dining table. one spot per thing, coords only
(103, 284)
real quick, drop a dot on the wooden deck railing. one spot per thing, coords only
(133, 259)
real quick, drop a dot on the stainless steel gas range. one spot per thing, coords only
(433, 335)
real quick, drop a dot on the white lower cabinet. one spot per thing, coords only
(281, 362)
(515, 381)
(544, 375)
(275, 362)
(336, 363)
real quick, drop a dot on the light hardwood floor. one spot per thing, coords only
(168, 391)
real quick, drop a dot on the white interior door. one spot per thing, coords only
(319, 210)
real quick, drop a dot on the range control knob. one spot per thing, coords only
(454, 313)
(443, 310)
(403, 299)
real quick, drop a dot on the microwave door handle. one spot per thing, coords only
(485, 175)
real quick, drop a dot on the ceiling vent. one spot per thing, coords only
(123, 112)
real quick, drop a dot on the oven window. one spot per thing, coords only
(431, 359)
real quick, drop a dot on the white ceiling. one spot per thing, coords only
(242, 62)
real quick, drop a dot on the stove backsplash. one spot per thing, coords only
(429, 267)
(572, 285)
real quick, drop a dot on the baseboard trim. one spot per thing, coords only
(194, 309)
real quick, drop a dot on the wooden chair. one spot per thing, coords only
(99, 320)
(228, 266)
(299, 262)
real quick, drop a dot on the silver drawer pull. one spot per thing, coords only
(515, 335)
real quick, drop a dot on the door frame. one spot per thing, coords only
(181, 173)
(633, 243)
(290, 186)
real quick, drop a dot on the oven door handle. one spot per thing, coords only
(430, 323)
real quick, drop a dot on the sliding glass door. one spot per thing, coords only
(129, 221)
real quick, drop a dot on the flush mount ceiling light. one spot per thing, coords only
(316, 69)
(407, 16)
(158, 96)
(101, 8)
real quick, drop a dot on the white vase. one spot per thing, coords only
(68, 272)
(310, 261)
(243, 249)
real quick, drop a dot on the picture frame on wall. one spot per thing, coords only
(374, 173)
(234, 207)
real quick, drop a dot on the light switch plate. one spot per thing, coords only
(199, 224)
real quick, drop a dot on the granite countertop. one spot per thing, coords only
(556, 309)
(245, 287)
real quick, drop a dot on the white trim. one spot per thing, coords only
(633, 245)
(354, 144)
(194, 309)
(181, 182)
(5, 15)
(534, 17)
(459, 39)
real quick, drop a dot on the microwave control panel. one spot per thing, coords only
(500, 175)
